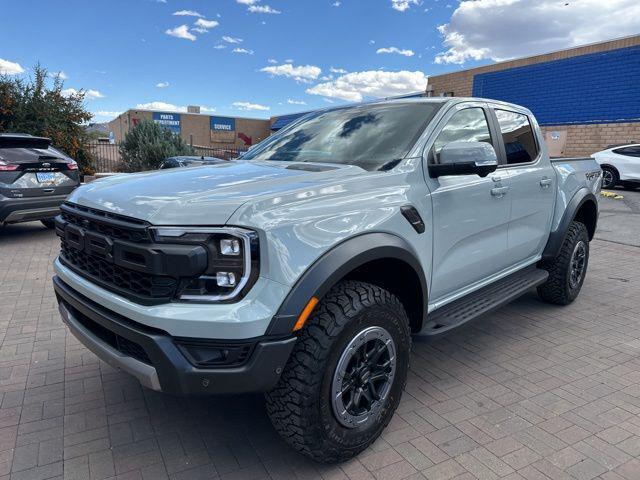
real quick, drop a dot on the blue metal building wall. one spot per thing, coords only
(599, 87)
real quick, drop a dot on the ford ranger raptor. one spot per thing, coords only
(304, 268)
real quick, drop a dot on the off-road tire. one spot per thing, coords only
(614, 175)
(300, 406)
(49, 223)
(557, 289)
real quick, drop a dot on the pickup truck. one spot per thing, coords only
(303, 269)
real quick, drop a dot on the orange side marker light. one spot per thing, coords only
(305, 314)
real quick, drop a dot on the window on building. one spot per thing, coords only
(468, 125)
(517, 134)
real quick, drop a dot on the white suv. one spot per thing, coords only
(620, 165)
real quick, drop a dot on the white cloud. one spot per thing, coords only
(162, 84)
(247, 2)
(337, 70)
(249, 106)
(296, 102)
(373, 83)
(61, 75)
(505, 29)
(301, 73)
(89, 94)
(220, 47)
(169, 107)
(337, 4)
(188, 13)
(181, 32)
(199, 30)
(202, 23)
(406, 52)
(272, 61)
(229, 39)
(107, 114)
(10, 68)
(402, 5)
(243, 50)
(263, 9)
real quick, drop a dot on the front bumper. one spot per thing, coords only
(13, 210)
(154, 357)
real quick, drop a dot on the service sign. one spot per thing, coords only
(168, 120)
(223, 124)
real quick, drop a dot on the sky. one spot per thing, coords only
(260, 58)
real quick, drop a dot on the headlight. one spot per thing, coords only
(233, 261)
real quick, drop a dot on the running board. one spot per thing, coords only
(482, 301)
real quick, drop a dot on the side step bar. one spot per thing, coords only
(482, 301)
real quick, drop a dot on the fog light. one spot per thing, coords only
(230, 246)
(226, 279)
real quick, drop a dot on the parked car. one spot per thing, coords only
(304, 270)
(189, 161)
(620, 165)
(35, 178)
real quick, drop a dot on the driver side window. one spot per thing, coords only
(468, 125)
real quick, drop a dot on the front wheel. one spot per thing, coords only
(344, 379)
(568, 269)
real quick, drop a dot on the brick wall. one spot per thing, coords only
(583, 140)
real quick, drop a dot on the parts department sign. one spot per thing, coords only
(170, 121)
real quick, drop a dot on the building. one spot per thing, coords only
(195, 128)
(585, 98)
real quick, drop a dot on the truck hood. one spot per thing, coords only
(206, 195)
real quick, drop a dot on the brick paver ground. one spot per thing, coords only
(532, 391)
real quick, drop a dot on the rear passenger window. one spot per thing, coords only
(517, 134)
(629, 151)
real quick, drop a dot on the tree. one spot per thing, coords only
(39, 106)
(147, 144)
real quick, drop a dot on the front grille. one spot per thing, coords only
(124, 279)
(118, 342)
(96, 265)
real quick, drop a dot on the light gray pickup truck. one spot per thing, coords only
(303, 269)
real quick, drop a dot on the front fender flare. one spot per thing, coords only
(334, 265)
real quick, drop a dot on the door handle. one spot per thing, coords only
(496, 178)
(499, 191)
(545, 182)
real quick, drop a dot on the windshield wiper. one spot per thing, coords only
(389, 165)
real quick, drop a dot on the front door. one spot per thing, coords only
(533, 187)
(470, 213)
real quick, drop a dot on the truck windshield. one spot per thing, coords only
(373, 137)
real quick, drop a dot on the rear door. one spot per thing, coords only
(533, 184)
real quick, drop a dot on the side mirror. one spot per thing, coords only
(465, 158)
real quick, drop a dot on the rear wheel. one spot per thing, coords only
(49, 223)
(610, 177)
(345, 377)
(568, 269)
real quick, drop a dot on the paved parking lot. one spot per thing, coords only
(532, 391)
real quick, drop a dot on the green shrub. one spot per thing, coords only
(39, 107)
(148, 144)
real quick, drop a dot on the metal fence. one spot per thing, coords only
(224, 153)
(106, 156)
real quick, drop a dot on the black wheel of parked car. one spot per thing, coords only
(610, 177)
(345, 377)
(49, 223)
(568, 269)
